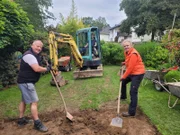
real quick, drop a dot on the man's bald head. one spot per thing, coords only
(37, 42)
(37, 46)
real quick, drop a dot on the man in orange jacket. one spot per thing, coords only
(134, 73)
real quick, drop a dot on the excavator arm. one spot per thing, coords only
(59, 38)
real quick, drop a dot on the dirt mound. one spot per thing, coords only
(87, 122)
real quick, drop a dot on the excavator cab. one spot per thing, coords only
(88, 42)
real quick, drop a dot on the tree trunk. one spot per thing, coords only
(152, 36)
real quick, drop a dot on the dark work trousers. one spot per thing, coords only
(135, 82)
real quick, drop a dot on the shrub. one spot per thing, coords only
(145, 48)
(102, 42)
(112, 53)
(173, 45)
(156, 57)
(8, 70)
(172, 76)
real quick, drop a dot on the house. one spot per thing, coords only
(104, 33)
(136, 39)
(114, 33)
(116, 36)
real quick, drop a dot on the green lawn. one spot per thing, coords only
(90, 93)
(155, 105)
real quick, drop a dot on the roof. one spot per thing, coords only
(116, 26)
(105, 30)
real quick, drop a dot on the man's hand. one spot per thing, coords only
(49, 67)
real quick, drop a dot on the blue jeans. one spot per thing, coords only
(135, 82)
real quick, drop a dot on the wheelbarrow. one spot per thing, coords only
(157, 77)
(173, 89)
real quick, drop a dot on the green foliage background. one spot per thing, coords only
(156, 57)
(172, 76)
(15, 30)
(112, 53)
(15, 33)
(173, 45)
(71, 23)
(152, 53)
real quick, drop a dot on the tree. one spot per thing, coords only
(37, 11)
(15, 33)
(88, 21)
(15, 28)
(149, 16)
(100, 22)
(71, 24)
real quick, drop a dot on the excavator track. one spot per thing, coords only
(88, 73)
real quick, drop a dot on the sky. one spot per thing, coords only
(109, 9)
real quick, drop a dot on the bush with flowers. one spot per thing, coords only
(171, 41)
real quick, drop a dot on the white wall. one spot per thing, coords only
(104, 37)
(136, 39)
(120, 39)
(113, 34)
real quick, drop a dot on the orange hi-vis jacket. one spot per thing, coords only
(134, 63)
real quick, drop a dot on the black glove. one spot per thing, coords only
(49, 67)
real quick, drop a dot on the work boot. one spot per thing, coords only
(126, 114)
(39, 126)
(23, 121)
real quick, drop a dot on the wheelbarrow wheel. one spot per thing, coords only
(158, 87)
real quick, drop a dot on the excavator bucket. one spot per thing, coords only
(60, 80)
(88, 73)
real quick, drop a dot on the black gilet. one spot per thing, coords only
(26, 73)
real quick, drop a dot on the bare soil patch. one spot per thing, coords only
(87, 122)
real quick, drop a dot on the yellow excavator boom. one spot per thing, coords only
(54, 40)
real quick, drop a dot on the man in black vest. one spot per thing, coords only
(29, 74)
